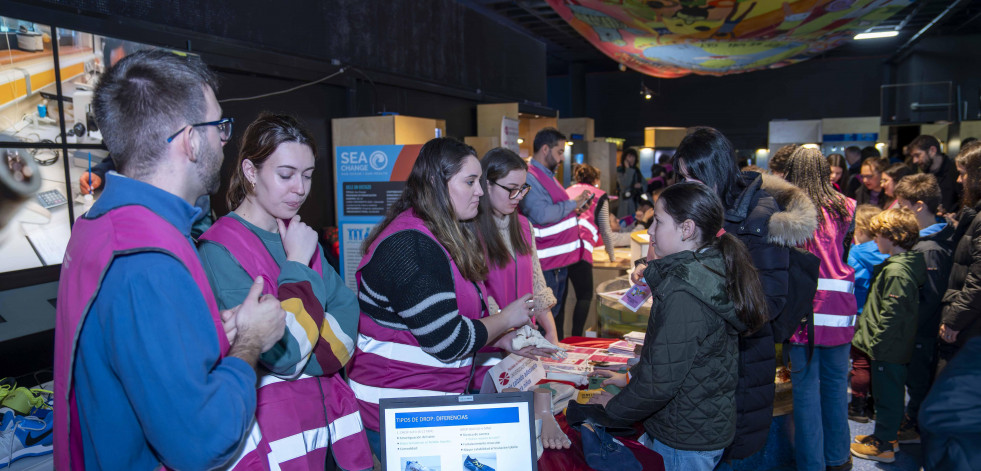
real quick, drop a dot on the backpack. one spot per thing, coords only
(802, 281)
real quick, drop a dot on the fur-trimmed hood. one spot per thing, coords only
(769, 206)
(796, 221)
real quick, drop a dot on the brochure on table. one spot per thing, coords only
(369, 180)
(449, 432)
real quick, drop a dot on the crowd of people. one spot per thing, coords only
(245, 343)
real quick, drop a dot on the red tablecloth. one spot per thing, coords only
(573, 458)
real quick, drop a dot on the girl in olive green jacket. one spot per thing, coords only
(707, 292)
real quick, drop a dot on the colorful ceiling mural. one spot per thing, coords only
(674, 38)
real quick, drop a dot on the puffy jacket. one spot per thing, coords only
(685, 383)
(936, 245)
(962, 301)
(768, 226)
(887, 327)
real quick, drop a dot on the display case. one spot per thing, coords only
(48, 136)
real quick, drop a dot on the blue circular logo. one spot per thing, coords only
(378, 160)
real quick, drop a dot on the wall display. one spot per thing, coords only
(674, 38)
(369, 180)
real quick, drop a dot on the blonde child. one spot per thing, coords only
(863, 257)
(886, 329)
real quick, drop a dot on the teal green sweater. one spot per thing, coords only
(293, 354)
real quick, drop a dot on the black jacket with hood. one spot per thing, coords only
(769, 216)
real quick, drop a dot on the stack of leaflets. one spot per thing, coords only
(581, 361)
(635, 337)
(622, 347)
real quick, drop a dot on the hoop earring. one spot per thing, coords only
(253, 186)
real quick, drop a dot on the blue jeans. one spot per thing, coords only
(684, 460)
(821, 435)
(558, 279)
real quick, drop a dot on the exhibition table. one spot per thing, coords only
(573, 458)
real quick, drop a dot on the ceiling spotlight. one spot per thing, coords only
(877, 34)
(521, 141)
(645, 91)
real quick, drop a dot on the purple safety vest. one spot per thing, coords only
(391, 363)
(834, 301)
(93, 245)
(589, 232)
(558, 243)
(287, 410)
(505, 284)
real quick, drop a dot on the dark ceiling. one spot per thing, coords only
(922, 18)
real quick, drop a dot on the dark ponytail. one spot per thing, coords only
(695, 201)
(743, 283)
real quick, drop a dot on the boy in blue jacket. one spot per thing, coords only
(863, 257)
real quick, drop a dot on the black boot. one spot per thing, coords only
(856, 410)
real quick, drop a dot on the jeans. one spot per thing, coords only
(557, 279)
(684, 460)
(821, 435)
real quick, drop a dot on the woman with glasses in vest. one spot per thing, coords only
(301, 391)
(512, 259)
(424, 310)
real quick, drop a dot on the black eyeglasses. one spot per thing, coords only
(514, 193)
(224, 126)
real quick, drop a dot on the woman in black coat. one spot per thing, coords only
(768, 227)
(961, 317)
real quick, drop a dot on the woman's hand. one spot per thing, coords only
(519, 312)
(505, 343)
(637, 277)
(612, 377)
(299, 240)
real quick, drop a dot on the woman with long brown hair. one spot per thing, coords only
(424, 310)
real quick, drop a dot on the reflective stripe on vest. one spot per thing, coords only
(563, 225)
(830, 284)
(558, 243)
(832, 320)
(591, 228)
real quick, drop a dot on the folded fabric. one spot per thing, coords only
(605, 453)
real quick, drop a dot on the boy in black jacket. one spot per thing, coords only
(921, 194)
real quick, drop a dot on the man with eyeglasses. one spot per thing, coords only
(91, 181)
(553, 218)
(148, 372)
